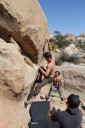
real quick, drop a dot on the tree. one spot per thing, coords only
(59, 40)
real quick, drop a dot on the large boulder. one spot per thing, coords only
(70, 37)
(71, 49)
(16, 80)
(25, 21)
(73, 76)
(13, 114)
(15, 74)
(23, 26)
(74, 54)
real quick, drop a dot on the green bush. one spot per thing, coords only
(81, 44)
(74, 59)
(65, 57)
(58, 61)
(54, 47)
(60, 41)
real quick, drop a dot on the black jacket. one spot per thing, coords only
(70, 118)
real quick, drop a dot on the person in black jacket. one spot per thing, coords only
(71, 117)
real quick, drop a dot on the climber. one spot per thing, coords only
(48, 74)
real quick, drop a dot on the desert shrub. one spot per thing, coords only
(54, 47)
(58, 61)
(74, 59)
(65, 57)
(60, 41)
(51, 40)
(81, 44)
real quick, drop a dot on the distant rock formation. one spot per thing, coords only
(74, 38)
(82, 35)
(77, 47)
(71, 49)
(75, 54)
(70, 36)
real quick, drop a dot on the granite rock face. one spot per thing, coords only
(15, 74)
(23, 32)
(16, 80)
(26, 23)
(73, 76)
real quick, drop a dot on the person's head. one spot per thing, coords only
(57, 73)
(73, 101)
(48, 56)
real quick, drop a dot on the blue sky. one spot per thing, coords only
(66, 16)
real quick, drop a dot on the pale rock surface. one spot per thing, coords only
(16, 80)
(70, 49)
(15, 74)
(76, 53)
(70, 37)
(25, 21)
(82, 35)
(73, 76)
(58, 51)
